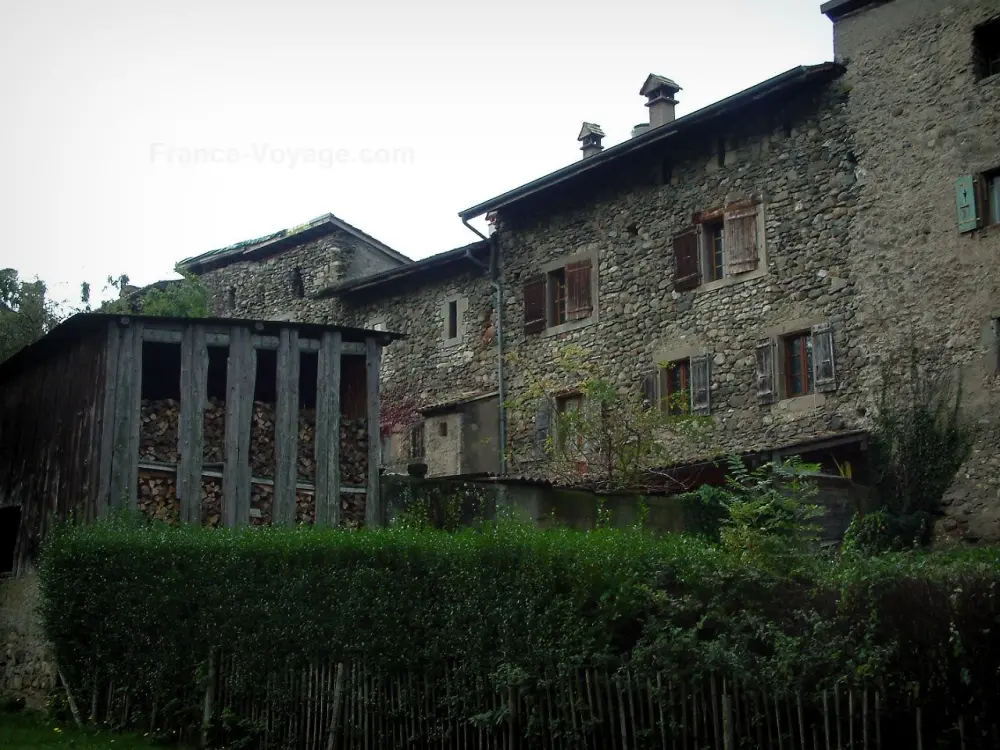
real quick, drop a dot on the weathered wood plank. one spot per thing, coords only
(191, 427)
(240, 377)
(135, 414)
(286, 428)
(327, 444)
(373, 500)
(108, 417)
(128, 401)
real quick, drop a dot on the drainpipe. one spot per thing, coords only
(494, 273)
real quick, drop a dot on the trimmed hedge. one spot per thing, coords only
(146, 605)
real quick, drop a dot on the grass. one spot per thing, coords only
(29, 731)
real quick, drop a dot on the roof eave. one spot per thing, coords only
(654, 135)
(837, 9)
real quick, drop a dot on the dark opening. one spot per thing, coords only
(986, 42)
(452, 319)
(218, 358)
(298, 286)
(231, 299)
(265, 387)
(443, 429)
(161, 370)
(10, 523)
(632, 229)
(308, 371)
(720, 151)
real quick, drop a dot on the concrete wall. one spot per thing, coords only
(919, 119)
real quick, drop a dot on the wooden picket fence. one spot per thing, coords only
(347, 706)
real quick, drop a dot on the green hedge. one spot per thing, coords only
(145, 605)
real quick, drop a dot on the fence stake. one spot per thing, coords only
(864, 717)
(850, 718)
(209, 710)
(961, 731)
(836, 698)
(802, 721)
(715, 713)
(777, 722)
(920, 731)
(727, 723)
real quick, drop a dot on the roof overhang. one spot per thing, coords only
(468, 256)
(837, 9)
(783, 82)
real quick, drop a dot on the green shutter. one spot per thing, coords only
(965, 199)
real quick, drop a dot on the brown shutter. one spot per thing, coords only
(741, 240)
(578, 302)
(824, 370)
(701, 384)
(534, 305)
(686, 261)
(765, 371)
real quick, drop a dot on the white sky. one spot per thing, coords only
(106, 103)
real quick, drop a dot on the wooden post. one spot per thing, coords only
(729, 742)
(286, 428)
(191, 425)
(328, 431)
(108, 417)
(241, 374)
(124, 473)
(373, 499)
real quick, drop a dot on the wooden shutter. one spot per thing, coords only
(686, 261)
(966, 203)
(543, 421)
(534, 304)
(766, 390)
(578, 302)
(824, 369)
(701, 384)
(649, 391)
(741, 240)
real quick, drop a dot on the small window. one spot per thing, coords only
(991, 183)
(417, 452)
(10, 522)
(715, 250)
(676, 395)
(996, 343)
(452, 331)
(231, 299)
(986, 40)
(443, 429)
(557, 296)
(798, 351)
(298, 286)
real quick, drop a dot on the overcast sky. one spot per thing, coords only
(137, 133)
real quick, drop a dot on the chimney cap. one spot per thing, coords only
(589, 130)
(654, 83)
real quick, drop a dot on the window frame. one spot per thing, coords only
(562, 401)
(986, 49)
(803, 342)
(710, 275)
(556, 297)
(417, 444)
(713, 257)
(544, 277)
(451, 324)
(665, 402)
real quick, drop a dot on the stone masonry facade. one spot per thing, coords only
(922, 115)
(851, 182)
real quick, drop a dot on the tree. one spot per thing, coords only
(186, 297)
(26, 314)
(591, 433)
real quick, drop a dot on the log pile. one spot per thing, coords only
(158, 442)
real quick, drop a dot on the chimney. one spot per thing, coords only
(639, 129)
(590, 136)
(659, 93)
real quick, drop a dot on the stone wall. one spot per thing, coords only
(920, 119)
(27, 669)
(794, 158)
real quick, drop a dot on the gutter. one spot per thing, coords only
(492, 271)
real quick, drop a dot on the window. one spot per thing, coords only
(722, 243)
(298, 286)
(443, 429)
(561, 296)
(417, 452)
(798, 365)
(986, 41)
(714, 235)
(452, 331)
(680, 387)
(10, 522)
(991, 182)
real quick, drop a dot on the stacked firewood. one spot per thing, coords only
(158, 496)
(158, 430)
(211, 502)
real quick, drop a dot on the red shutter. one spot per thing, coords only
(686, 261)
(579, 304)
(534, 305)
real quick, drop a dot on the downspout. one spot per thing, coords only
(494, 274)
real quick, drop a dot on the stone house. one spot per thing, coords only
(763, 254)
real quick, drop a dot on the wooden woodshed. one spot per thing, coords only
(214, 421)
